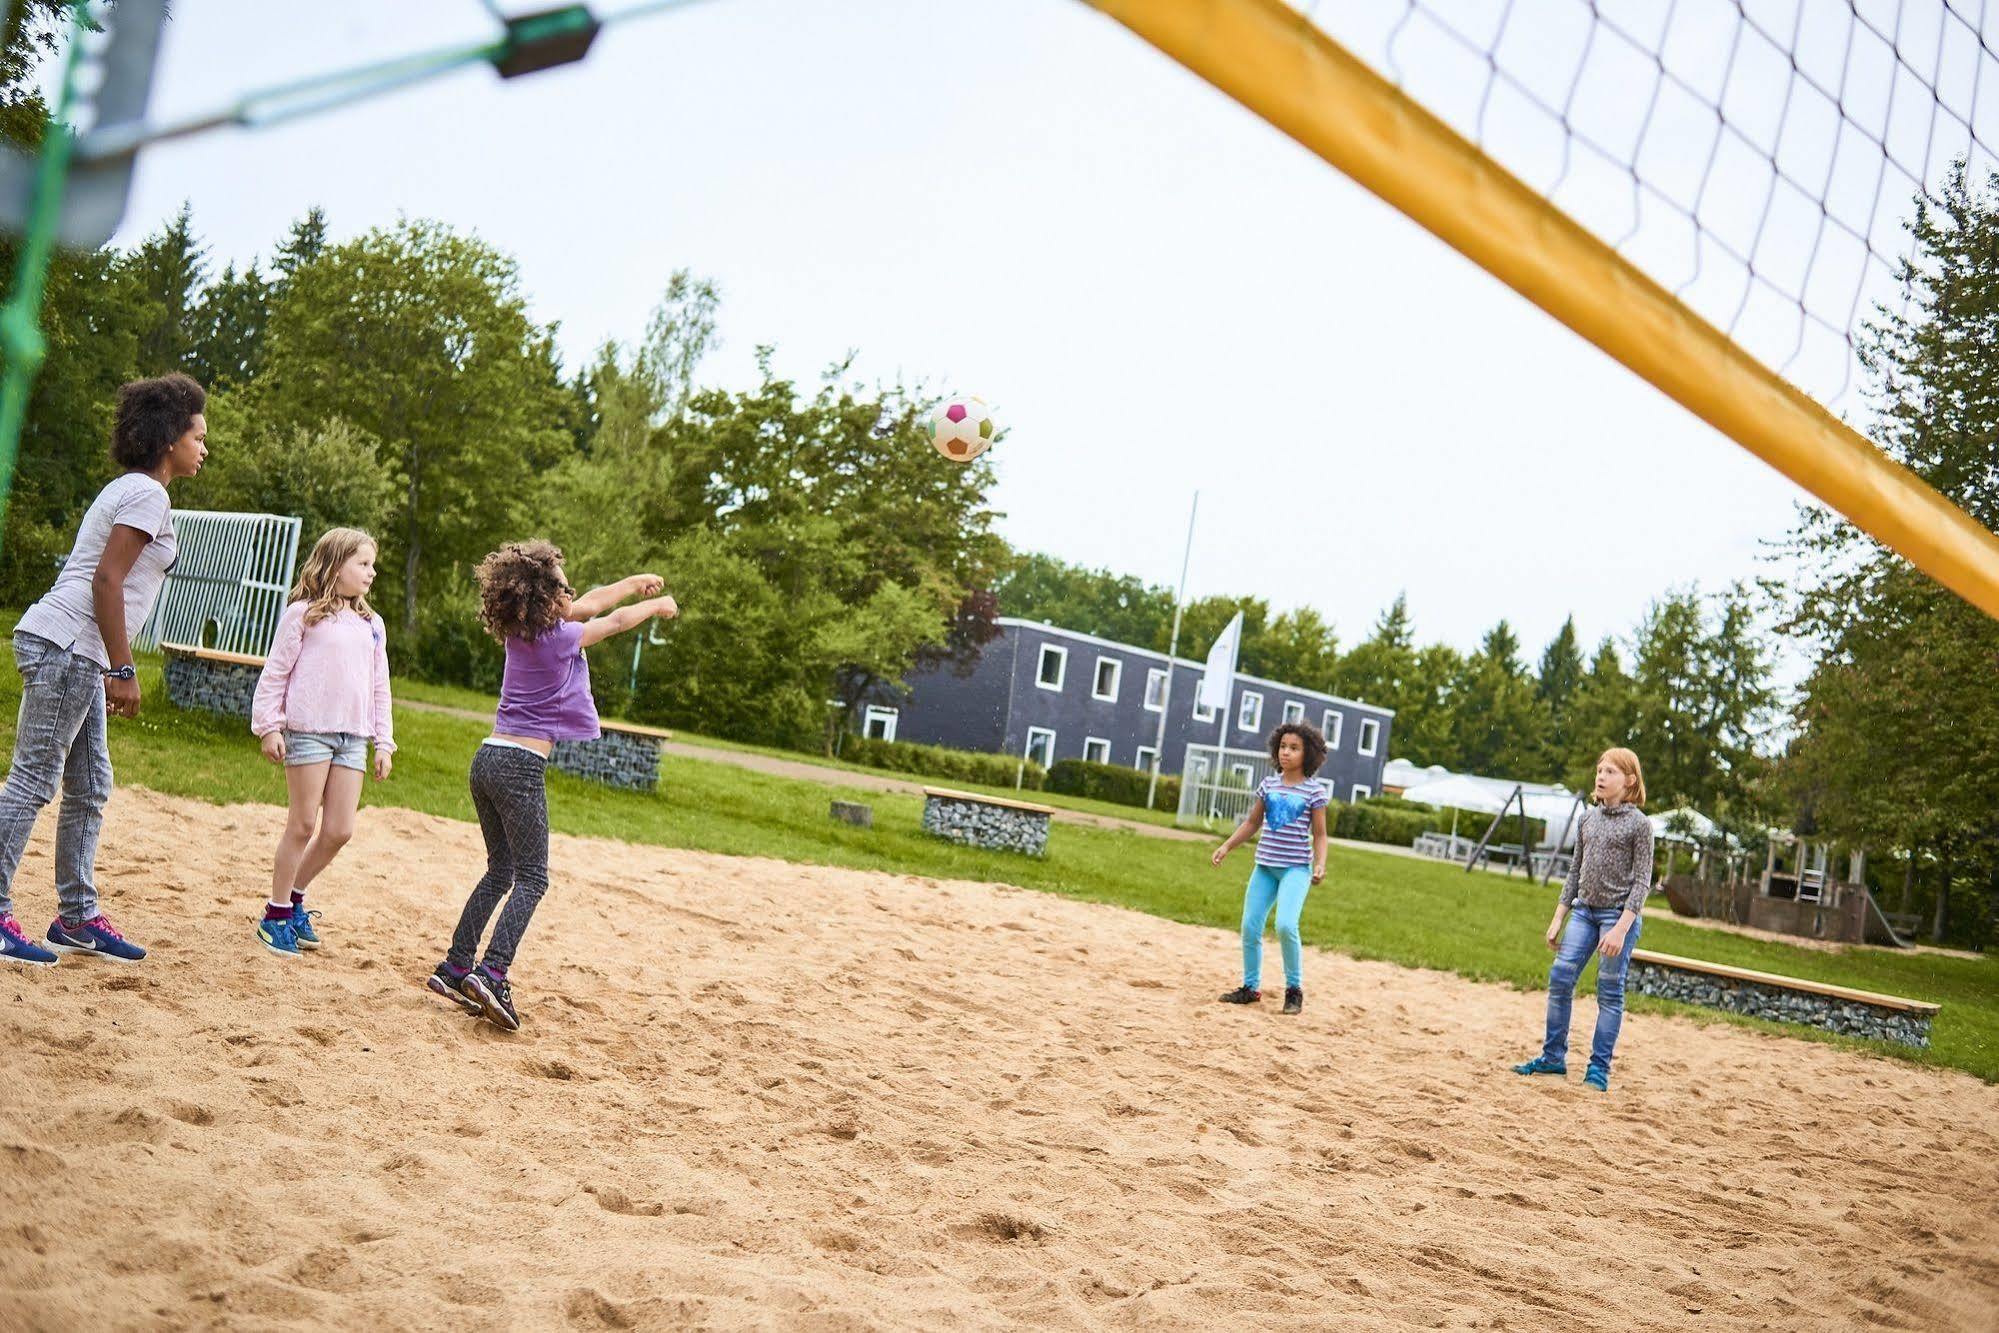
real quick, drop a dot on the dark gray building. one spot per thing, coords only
(1050, 693)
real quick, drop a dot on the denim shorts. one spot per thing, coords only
(316, 747)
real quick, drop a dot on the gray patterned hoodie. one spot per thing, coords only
(1613, 863)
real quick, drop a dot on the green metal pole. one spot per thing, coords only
(21, 341)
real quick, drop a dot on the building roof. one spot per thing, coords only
(1015, 622)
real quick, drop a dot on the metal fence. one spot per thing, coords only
(228, 584)
(1218, 785)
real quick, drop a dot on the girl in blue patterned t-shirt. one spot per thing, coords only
(1290, 858)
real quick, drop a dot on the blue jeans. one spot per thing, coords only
(1283, 887)
(1586, 926)
(58, 740)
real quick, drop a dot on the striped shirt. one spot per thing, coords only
(1286, 839)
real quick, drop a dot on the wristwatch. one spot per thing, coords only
(126, 672)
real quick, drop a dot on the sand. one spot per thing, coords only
(750, 1094)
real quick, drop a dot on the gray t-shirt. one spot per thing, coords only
(67, 615)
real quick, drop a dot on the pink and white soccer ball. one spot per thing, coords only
(962, 428)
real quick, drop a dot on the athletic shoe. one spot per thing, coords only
(95, 936)
(445, 982)
(1541, 1064)
(16, 947)
(302, 930)
(494, 995)
(1596, 1076)
(1241, 995)
(277, 937)
(1294, 999)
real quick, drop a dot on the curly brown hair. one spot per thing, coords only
(518, 588)
(152, 416)
(1308, 736)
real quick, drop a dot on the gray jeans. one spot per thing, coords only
(59, 739)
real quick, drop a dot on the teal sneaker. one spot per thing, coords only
(1541, 1064)
(302, 930)
(278, 938)
(1597, 1077)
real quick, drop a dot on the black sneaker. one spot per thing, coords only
(1241, 995)
(446, 982)
(1294, 999)
(494, 995)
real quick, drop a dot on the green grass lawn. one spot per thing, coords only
(1395, 909)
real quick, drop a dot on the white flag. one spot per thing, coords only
(1218, 681)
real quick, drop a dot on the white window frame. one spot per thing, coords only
(1028, 752)
(1361, 791)
(1247, 773)
(1336, 722)
(1097, 676)
(1104, 757)
(1147, 754)
(1201, 712)
(876, 713)
(1243, 709)
(1370, 735)
(1293, 711)
(1153, 674)
(1061, 672)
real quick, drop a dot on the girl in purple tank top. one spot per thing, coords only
(527, 604)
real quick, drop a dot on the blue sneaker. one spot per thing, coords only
(1541, 1064)
(95, 936)
(16, 947)
(302, 930)
(1597, 1077)
(278, 938)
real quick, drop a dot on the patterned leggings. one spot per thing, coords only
(510, 791)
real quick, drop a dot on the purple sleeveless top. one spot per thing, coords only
(545, 692)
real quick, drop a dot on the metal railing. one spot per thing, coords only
(1218, 785)
(229, 582)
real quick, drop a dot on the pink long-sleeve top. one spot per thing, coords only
(332, 676)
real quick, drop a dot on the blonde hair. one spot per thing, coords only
(1634, 773)
(318, 581)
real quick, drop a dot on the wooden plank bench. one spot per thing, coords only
(626, 755)
(210, 679)
(991, 822)
(1856, 1013)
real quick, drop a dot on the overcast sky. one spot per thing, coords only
(1157, 291)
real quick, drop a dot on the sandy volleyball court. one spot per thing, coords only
(753, 1094)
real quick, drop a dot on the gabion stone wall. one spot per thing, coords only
(616, 758)
(216, 687)
(995, 827)
(1855, 1018)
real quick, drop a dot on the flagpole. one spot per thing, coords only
(1172, 651)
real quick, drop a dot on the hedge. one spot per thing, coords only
(936, 761)
(1111, 782)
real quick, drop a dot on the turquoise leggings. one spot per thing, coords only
(1283, 887)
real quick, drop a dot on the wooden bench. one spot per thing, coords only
(986, 821)
(210, 679)
(1856, 1013)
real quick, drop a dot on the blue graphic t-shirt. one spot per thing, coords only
(1286, 836)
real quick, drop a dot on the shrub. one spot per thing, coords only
(1111, 782)
(937, 761)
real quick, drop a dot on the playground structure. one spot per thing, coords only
(1796, 893)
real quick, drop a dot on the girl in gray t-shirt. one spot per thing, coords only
(74, 651)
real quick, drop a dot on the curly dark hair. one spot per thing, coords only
(152, 416)
(518, 585)
(1308, 736)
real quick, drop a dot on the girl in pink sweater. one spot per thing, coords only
(323, 694)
